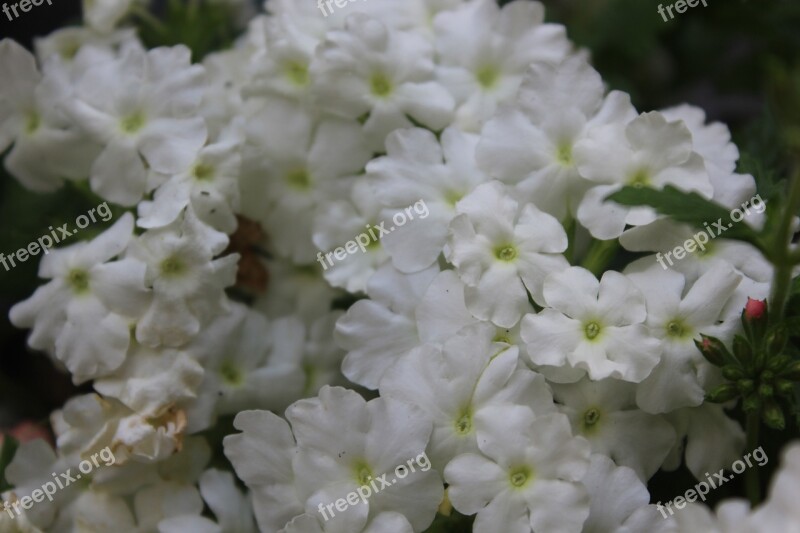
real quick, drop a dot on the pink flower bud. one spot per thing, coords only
(754, 309)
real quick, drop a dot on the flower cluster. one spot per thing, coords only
(546, 388)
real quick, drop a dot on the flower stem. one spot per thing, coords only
(599, 255)
(782, 277)
(751, 478)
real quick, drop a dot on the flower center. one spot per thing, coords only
(363, 473)
(464, 423)
(640, 179)
(520, 476)
(487, 76)
(32, 123)
(231, 374)
(506, 252)
(299, 179)
(503, 335)
(172, 267)
(133, 122)
(592, 330)
(297, 72)
(381, 85)
(78, 280)
(203, 172)
(591, 417)
(676, 329)
(564, 154)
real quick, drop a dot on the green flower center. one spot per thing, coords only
(132, 123)
(520, 476)
(172, 267)
(78, 281)
(297, 72)
(503, 336)
(363, 473)
(453, 197)
(640, 179)
(564, 154)
(299, 179)
(592, 330)
(487, 76)
(203, 172)
(32, 123)
(591, 417)
(231, 374)
(506, 252)
(381, 85)
(464, 423)
(677, 328)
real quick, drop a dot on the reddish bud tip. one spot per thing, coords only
(754, 309)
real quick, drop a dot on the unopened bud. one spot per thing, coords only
(792, 371)
(751, 403)
(773, 415)
(713, 350)
(733, 373)
(723, 393)
(754, 309)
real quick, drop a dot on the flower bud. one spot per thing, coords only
(792, 371)
(745, 385)
(723, 393)
(751, 403)
(733, 373)
(754, 309)
(713, 350)
(773, 415)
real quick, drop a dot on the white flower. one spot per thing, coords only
(47, 148)
(483, 52)
(103, 15)
(713, 440)
(605, 413)
(90, 423)
(677, 313)
(231, 508)
(295, 168)
(530, 144)
(240, 371)
(342, 443)
(378, 331)
(371, 70)
(302, 291)
(83, 315)
(616, 494)
(188, 284)
(502, 250)
(595, 326)
(528, 478)
(151, 382)
(417, 167)
(489, 373)
(339, 223)
(648, 151)
(209, 184)
(140, 108)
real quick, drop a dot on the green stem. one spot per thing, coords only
(599, 255)
(571, 227)
(784, 260)
(752, 484)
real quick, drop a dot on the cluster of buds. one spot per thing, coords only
(758, 370)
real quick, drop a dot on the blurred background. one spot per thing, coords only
(737, 59)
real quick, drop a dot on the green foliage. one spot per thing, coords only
(689, 208)
(202, 25)
(7, 451)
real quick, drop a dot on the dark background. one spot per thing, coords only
(730, 58)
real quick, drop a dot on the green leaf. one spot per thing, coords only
(689, 208)
(7, 451)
